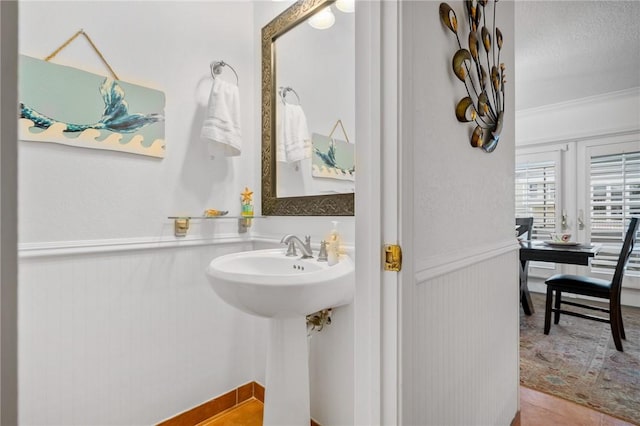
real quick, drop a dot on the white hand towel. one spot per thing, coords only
(281, 155)
(293, 139)
(222, 125)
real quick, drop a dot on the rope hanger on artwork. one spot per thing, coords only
(72, 38)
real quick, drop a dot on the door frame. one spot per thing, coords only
(8, 213)
(376, 332)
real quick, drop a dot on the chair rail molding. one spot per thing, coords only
(66, 248)
(434, 266)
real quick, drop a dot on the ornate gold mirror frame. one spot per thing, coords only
(315, 205)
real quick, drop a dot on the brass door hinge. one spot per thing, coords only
(392, 257)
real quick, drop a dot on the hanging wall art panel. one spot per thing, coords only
(65, 105)
(332, 158)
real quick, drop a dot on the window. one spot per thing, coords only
(614, 196)
(536, 196)
(591, 188)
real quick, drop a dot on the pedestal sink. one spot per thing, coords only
(268, 284)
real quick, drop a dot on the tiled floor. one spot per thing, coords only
(248, 413)
(536, 409)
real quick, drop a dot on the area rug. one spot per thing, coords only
(578, 361)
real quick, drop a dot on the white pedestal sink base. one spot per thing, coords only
(284, 289)
(287, 377)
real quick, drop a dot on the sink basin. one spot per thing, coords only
(284, 289)
(266, 283)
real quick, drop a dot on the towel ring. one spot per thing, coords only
(286, 89)
(216, 69)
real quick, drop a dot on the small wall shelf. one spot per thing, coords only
(181, 223)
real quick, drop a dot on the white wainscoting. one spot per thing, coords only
(128, 336)
(460, 350)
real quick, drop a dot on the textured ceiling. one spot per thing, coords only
(573, 49)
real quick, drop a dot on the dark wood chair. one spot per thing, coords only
(526, 224)
(594, 287)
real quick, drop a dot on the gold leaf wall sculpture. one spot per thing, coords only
(484, 103)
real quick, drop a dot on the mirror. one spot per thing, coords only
(308, 73)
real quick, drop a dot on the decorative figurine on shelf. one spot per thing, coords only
(214, 213)
(247, 202)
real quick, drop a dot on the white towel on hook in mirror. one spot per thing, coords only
(293, 142)
(221, 127)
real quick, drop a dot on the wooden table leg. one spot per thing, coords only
(525, 297)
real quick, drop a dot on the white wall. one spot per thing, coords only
(459, 334)
(8, 215)
(584, 118)
(110, 335)
(117, 322)
(162, 46)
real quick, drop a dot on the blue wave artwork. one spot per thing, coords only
(65, 105)
(332, 158)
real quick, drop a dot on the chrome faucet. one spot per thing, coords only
(305, 247)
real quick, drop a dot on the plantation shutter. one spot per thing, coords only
(614, 198)
(536, 196)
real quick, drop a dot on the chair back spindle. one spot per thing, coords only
(526, 224)
(625, 254)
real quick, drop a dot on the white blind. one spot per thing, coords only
(536, 196)
(614, 198)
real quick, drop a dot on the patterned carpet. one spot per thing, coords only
(579, 362)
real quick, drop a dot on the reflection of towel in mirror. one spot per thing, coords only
(293, 142)
(221, 126)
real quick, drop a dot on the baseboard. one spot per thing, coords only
(516, 419)
(217, 405)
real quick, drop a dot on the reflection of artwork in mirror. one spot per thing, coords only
(319, 64)
(333, 159)
(319, 67)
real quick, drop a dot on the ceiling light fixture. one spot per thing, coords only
(346, 6)
(323, 19)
